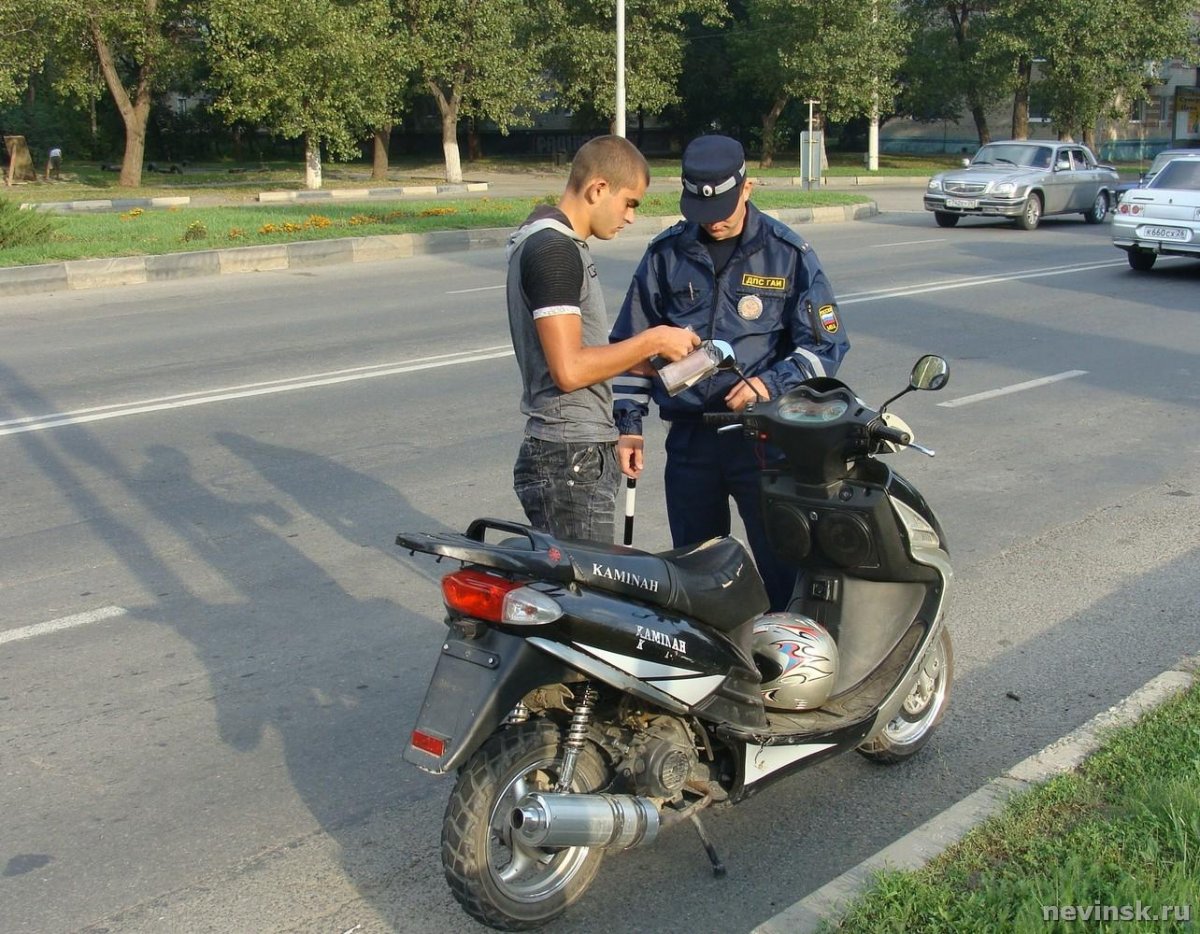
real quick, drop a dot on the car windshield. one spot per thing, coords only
(1013, 154)
(1178, 173)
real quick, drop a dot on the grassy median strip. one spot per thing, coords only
(173, 230)
(1115, 845)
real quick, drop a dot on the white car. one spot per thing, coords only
(1163, 217)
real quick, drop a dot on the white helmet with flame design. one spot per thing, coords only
(798, 661)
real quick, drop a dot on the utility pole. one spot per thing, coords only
(873, 127)
(620, 103)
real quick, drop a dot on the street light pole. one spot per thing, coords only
(620, 102)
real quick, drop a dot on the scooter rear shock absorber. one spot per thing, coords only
(576, 736)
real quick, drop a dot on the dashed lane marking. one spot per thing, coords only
(65, 622)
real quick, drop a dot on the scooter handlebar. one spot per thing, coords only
(886, 433)
(722, 419)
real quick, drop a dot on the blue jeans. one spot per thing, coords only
(704, 469)
(569, 488)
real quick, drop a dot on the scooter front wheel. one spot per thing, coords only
(922, 710)
(499, 880)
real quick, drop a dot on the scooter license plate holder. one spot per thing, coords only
(475, 684)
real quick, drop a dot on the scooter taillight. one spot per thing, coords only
(477, 594)
(495, 599)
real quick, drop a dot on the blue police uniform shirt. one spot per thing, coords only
(772, 302)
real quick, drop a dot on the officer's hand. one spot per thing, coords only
(629, 455)
(742, 395)
(674, 343)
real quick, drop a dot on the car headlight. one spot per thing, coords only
(935, 184)
(1004, 189)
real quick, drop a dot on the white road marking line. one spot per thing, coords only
(482, 288)
(1006, 390)
(854, 298)
(204, 397)
(184, 400)
(881, 246)
(65, 622)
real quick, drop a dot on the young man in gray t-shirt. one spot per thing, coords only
(566, 473)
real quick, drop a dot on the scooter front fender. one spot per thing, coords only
(475, 685)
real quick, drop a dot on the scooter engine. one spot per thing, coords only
(660, 760)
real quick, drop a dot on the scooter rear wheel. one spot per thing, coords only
(500, 881)
(921, 711)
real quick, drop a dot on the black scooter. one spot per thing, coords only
(588, 695)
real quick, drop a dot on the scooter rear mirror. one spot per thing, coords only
(725, 358)
(930, 372)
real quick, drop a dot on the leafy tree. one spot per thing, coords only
(959, 59)
(22, 46)
(132, 48)
(582, 45)
(1091, 57)
(477, 58)
(844, 54)
(312, 69)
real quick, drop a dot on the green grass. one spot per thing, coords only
(172, 230)
(1124, 830)
(227, 181)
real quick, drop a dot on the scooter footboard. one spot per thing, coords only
(475, 684)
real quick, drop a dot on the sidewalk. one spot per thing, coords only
(132, 270)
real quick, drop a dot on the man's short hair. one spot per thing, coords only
(612, 158)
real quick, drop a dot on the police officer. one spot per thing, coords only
(728, 272)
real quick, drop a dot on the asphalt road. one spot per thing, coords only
(211, 654)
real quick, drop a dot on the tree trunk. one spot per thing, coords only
(135, 145)
(981, 124)
(379, 162)
(1020, 113)
(135, 111)
(448, 107)
(960, 23)
(474, 144)
(450, 149)
(312, 162)
(770, 122)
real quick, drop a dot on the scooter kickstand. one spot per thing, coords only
(717, 866)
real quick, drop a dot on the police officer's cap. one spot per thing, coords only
(714, 168)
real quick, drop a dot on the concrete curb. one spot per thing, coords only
(131, 270)
(351, 194)
(106, 204)
(915, 849)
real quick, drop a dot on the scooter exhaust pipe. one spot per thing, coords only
(620, 821)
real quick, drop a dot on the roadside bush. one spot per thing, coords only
(195, 231)
(22, 228)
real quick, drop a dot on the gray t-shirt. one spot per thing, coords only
(543, 280)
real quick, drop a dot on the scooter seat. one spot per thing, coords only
(714, 582)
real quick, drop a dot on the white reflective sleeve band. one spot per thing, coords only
(551, 310)
(811, 359)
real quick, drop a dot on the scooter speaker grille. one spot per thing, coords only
(846, 539)
(789, 533)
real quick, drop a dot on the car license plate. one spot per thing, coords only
(962, 203)
(1164, 233)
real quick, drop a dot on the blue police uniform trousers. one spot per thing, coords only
(703, 470)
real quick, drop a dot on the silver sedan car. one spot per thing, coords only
(1163, 217)
(1024, 180)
